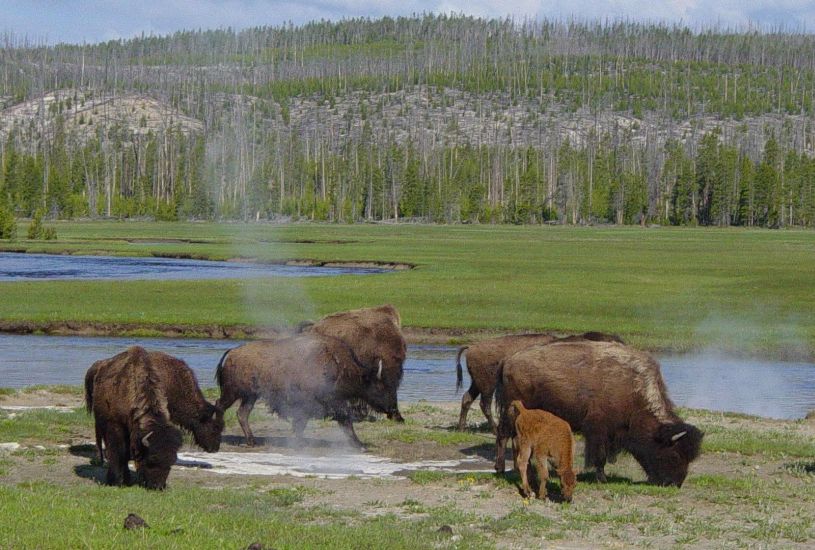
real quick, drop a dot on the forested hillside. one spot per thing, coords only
(433, 118)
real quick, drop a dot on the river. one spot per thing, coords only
(775, 389)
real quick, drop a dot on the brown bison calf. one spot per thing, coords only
(549, 438)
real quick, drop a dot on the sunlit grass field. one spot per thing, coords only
(753, 486)
(659, 287)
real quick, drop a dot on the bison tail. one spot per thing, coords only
(89, 393)
(459, 371)
(219, 370)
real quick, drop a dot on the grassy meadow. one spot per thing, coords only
(744, 290)
(753, 486)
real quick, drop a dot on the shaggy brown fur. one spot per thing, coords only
(484, 358)
(547, 437)
(300, 377)
(132, 420)
(375, 335)
(611, 393)
(241, 374)
(186, 403)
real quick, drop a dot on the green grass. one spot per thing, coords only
(669, 287)
(189, 517)
(774, 443)
(62, 389)
(754, 496)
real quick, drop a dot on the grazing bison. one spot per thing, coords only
(375, 336)
(612, 394)
(544, 435)
(300, 377)
(129, 407)
(185, 402)
(484, 357)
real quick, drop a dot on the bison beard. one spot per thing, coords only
(612, 394)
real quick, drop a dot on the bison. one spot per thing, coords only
(185, 402)
(484, 357)
(375, 336)
(612, 394)
(126, 397)
(547, 437)
(300, 377)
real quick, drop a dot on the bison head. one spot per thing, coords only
(673, 447)
(207, 434)
(157, 450)
(381, 385)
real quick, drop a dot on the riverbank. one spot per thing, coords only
(742, 291)
(753, 485)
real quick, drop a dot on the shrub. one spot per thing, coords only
(38, 231)
(8, 225)
(35, 229)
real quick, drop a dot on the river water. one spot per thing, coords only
(19, 267)
(765, 388)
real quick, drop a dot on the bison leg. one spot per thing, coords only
(486, 408)
(117, 448)
(247, 403)
(542, 468)
(466, 401)
(298, 424)
(524, 451)
(596, 439)
(503, 433)
(99, 447)
(348, 427)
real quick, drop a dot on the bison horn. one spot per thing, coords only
(678, 436)
(144, 440)
(379, 372)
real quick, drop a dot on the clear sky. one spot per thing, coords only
(100, 20)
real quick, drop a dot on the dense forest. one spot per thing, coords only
(431, 118)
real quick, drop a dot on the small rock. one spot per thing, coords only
(9, 446)
(445, 530)
(132, 521)
(255, 546)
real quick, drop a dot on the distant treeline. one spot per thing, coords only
(172, 177)
(252, 161)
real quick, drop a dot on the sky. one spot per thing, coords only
(78, 21)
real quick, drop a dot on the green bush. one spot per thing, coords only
(8, 225)
(35, 230)
(38, 231)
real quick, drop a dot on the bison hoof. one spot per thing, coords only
(601, 477)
